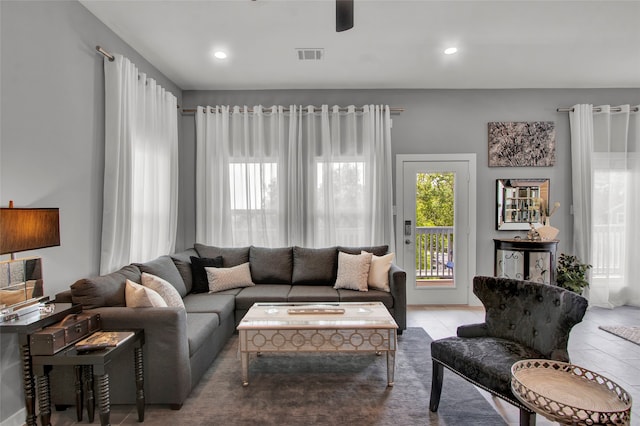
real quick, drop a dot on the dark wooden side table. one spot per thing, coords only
(87, 364)
(513, 259)
(24, 326)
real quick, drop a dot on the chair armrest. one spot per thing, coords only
(63, 297)
(473, 330)
(398, 287)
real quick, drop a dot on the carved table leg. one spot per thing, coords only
(103, 399)
(139, 368)
(27, 377)
(88, 382)
(44, 398)
(79, 393)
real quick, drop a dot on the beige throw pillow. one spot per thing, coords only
(168, 292)
(379, 272)
(227, 278)
(138, 296)
(353, 271)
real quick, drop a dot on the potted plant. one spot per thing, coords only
(571, 273)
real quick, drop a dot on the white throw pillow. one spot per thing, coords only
(164, 289)
(227, 278)
(353, 271)
(138, 296)
(379, 272)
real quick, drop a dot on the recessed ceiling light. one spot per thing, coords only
(220, 54)
(450, 50)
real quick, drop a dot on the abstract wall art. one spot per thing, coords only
(522, 144)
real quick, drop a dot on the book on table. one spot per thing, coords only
(103, 340)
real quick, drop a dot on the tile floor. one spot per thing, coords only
(589, 347)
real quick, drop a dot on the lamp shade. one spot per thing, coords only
(28, 229)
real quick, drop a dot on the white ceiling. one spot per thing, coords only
(394, 43)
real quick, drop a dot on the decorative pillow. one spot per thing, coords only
(168, 292)
(200, 279)
(353, 271)
(138, 296)
(379, 272)
(227, 278)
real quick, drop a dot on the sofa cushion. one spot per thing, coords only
(105, 290)
(271, 265)
(313, 293)
(221, 279)
(353, 271)
(139, 296)
(377, 250)
(164, 268)
(366, 296)
(183, 264)
(231, 256)
(315, 266)
(262, 293)
(200, 279)
(168, 292)
(222, 304)
(200, 327)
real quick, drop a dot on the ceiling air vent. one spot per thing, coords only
(308, 54)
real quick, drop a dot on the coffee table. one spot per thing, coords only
(318, 327)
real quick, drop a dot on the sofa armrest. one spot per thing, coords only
(473, 330)
(63, 297)
(398, 286)
(166, 348)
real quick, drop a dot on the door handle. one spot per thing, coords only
(407, 241)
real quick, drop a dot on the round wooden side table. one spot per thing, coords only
(569, 394)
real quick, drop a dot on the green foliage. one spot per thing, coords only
(571, 273)
(434, 199)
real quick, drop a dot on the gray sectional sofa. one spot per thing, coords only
(181, 344)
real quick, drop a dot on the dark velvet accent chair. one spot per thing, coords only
(523, 320)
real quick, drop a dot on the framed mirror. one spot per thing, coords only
(521, 201)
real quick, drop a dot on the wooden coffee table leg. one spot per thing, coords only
(103, 399)
(391, 366)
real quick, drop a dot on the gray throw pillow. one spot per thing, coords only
(315, 266)
(231, 256)
(105, 290)
(271, 265)
(164, 268)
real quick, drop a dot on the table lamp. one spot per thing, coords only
(21, 283)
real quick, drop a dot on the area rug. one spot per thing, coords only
(328, 389)
(631, 334)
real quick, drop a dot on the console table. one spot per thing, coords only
(24, 326)
(525, 259)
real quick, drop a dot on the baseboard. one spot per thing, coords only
(17, 419)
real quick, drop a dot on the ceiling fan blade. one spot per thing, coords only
(344, 15)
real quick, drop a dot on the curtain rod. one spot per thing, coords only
(613, 109)
(391, 110)
(106, 54)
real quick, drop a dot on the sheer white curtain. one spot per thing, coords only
(141, 167)
(606, 191)
(306, 176)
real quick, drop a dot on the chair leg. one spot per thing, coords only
(436, 386)
(527, 418)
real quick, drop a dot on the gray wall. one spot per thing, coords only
(437, 122)
(52, 141)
